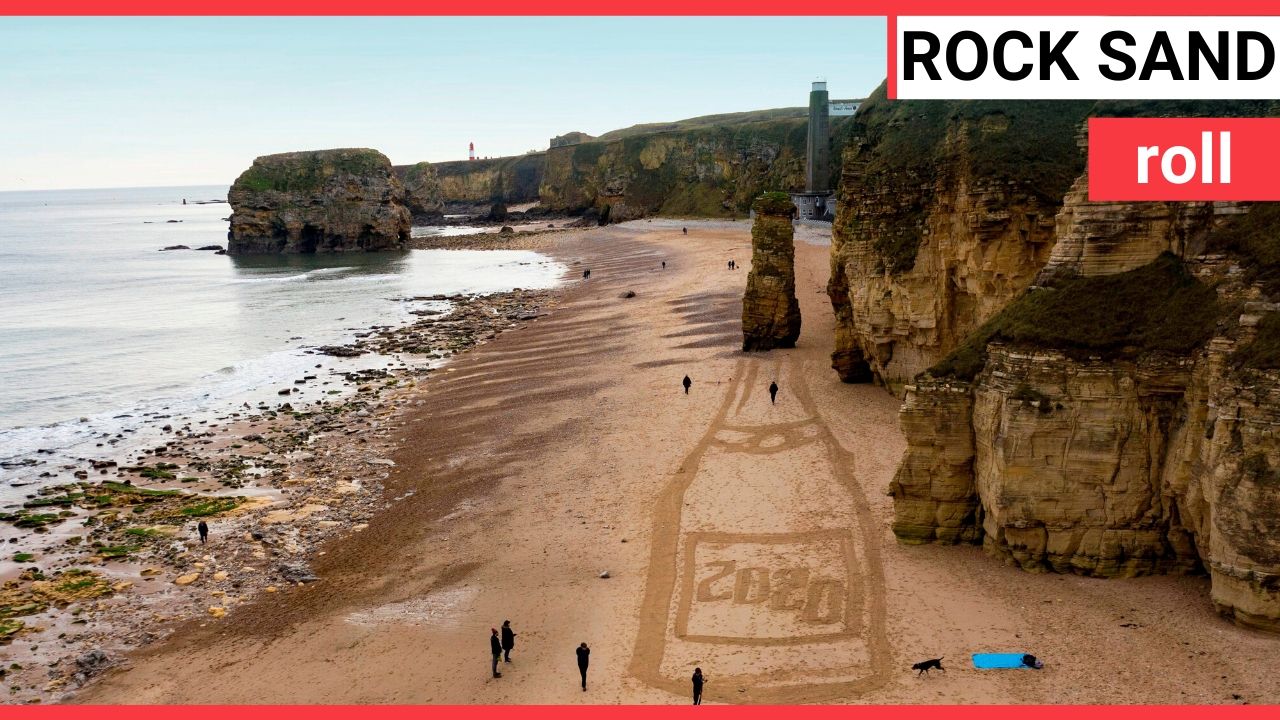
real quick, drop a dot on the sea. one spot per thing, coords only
(102, 332)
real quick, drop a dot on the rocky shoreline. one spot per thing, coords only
(110, 561)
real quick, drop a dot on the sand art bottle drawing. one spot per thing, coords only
(764, 570)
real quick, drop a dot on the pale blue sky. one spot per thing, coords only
(118, 102)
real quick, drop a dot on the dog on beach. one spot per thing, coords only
(925, 665)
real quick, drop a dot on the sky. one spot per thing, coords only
(129, 102)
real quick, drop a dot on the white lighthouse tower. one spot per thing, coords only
(471, 151)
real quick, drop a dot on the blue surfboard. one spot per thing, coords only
(998, 661)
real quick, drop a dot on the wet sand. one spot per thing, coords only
(749, 538)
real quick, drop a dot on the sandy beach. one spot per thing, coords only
(749, 538)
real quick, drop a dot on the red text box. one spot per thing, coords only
(1184, 159)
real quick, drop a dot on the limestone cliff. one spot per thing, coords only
(700, 171)
(318, 201)
(1119, 418)
(481, 183)
(1094, 392)
(770, 310)
(423, 194)
(946, 213)
(711, 166)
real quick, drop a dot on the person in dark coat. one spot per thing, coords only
(697, 686)
(584, 659)
(508, 640)
(684, 230)
(664, 264)
(495, 647)
(203, 529)
(773, 392)
(687, 383)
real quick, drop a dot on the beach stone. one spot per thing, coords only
(186, 579)
(89, 664)
(220, 575)
(217, 611)
(296, 572)
(770, 310)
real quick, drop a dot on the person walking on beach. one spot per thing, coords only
(584, 659)
(773, 393)
(687, 383)
(495, 647)
(203, 529)
(684, 230)
(508, 640)
(697, 686)
(664, 264)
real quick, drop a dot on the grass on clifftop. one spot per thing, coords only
(906, 146)
(774, 203)
(708, 121)
(1029, 142)
(1157, 309)
(306, 172)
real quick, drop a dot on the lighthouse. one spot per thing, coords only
(471, 151)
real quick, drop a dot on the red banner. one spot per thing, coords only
(1168, 159)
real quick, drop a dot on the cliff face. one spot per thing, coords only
(770, 310)
(1104, 238)
(1119, 420)
(1088, 387)
(423, 194)
(711, 166)
(318, 201)
(946, 213)
(705, 171)
(476, 183)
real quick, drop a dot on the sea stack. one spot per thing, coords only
(770, 311)
(318, 201)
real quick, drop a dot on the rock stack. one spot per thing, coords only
(318, 201)
(770, 311)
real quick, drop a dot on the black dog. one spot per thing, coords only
(925, 665)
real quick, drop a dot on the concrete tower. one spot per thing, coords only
(818, 156)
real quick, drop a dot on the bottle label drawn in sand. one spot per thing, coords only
(764, 570)
(764, 589)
